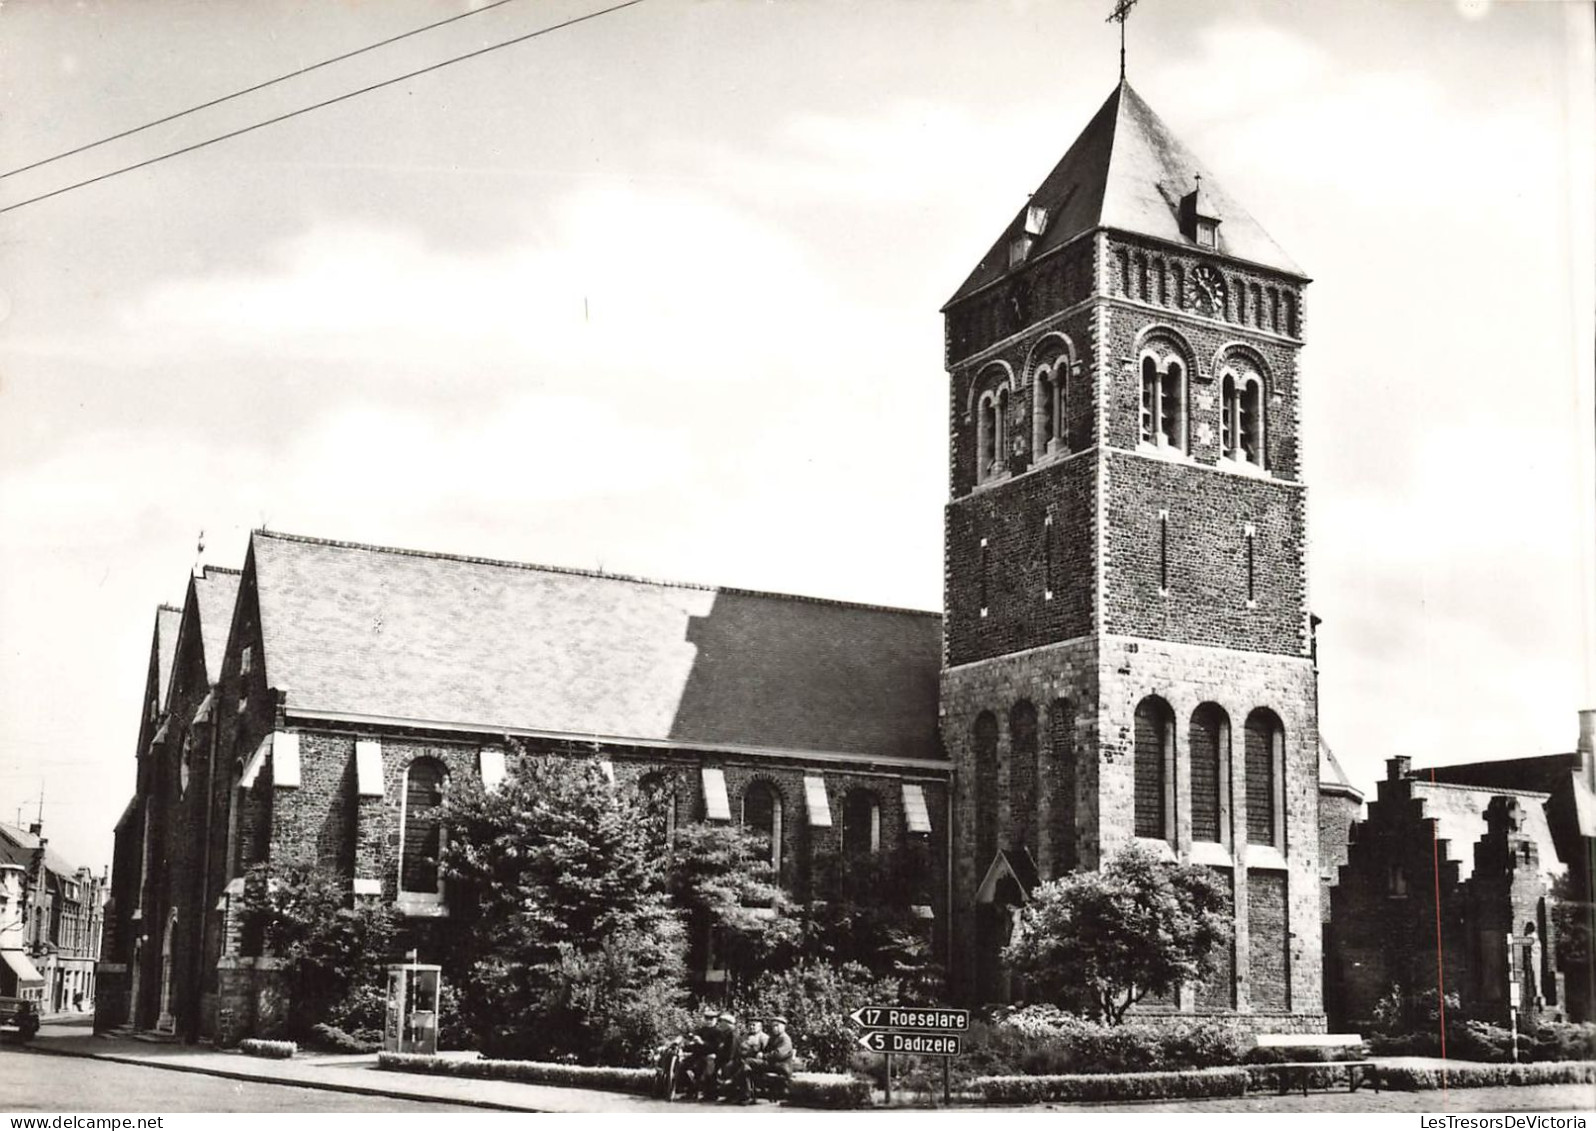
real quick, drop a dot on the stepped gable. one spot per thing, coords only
(372, 632)
(1460, 816)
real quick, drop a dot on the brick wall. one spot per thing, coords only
(1040, 538)
(1105, 679)
(1202, 342)
(1186, 577)
(1268, 974)
(1187, 677)
(1060, 681)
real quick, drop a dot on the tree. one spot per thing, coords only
(333, 954)
(866, 916)
(1140, 926)
(722, 883)
(1573, 923)
(572, 946)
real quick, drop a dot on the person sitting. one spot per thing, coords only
(688, 1051)
(777, 1062)
(720, 1057)
(750, 1048)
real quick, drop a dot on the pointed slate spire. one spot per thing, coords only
(1128, 172)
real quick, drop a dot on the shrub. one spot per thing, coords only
(1492, 1044)
(1044, 1041)
(828, 1090)
(332, 954)
(1109, 939)
(816, 999)
(333, 1039)
(1112, 1088)
(1556, 1040)
(1401, 1078)
(1260, 1078)
(569, 945)
(271, 1050)
(1479, 1040)
(639, 1080)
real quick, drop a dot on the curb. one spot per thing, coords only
(314, 1085)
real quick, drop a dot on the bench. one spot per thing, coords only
(1298, 1073)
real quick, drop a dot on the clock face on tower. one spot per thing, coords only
(1208, 290)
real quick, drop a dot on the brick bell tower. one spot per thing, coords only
(1128, 653)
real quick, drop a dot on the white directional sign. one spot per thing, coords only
(921, 1044)
(919, 1019)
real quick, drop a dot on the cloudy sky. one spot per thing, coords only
(658, 293)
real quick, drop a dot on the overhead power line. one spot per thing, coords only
(323, 104)
(253, 89)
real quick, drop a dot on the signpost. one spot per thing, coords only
(916, 1030)
(921, 1044)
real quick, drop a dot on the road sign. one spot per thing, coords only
(916, 1019)
(920, 1044)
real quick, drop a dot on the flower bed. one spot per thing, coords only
(636, 1080)
(1112, 1087)
(271, 1050)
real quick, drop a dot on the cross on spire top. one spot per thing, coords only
(1119, 15)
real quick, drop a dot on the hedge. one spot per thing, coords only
(1402, 1078)
(640, 1080)
(828, 1090)
(272, 1050)
(1113, 1088)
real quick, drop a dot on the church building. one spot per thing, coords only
(1125, 656)
(1127, 648)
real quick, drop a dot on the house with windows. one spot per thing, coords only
(51, 916)
(1454, 878)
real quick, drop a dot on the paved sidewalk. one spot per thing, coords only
(358, 1075)
(355, 1074)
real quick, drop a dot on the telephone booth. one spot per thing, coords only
(412, 1022)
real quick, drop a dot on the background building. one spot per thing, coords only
(59, 910)
(1480, 854)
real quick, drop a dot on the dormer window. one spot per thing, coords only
(246, 661)
(1198, 221)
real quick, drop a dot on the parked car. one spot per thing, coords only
(19, 1015)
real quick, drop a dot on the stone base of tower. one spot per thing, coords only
(1045, 749)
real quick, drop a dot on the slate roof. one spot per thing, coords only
(1545, 772)
(167, 620)
(25, 842)
(402, 635)
(216, 591)
(1126, 171)
(1460, 815)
